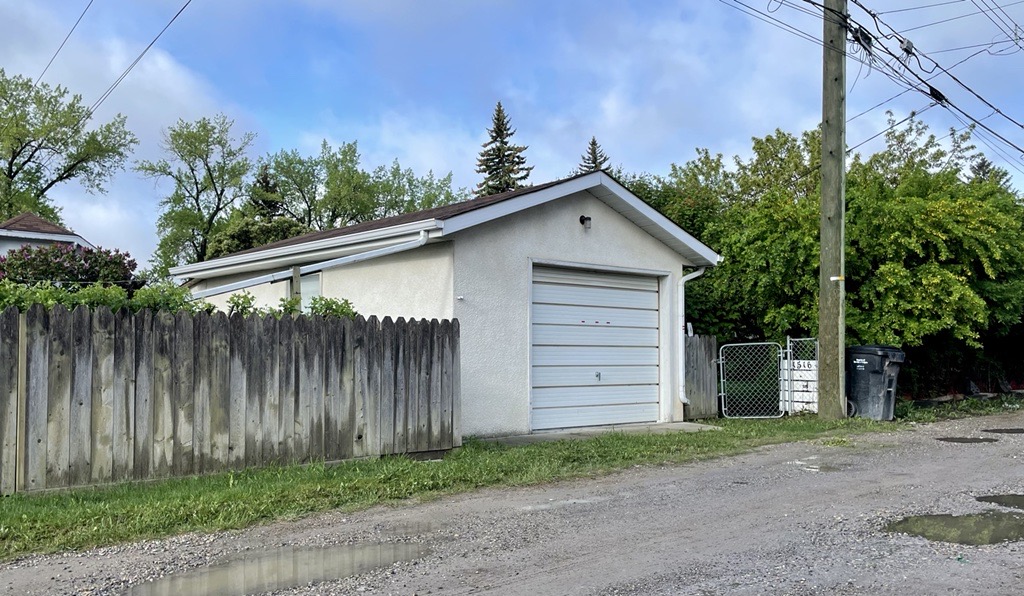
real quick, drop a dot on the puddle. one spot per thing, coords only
(990, 527)
(281, 569)
(810, 466)
(824, 468)
(967, 440)
(1006, 431)
(1012, 501)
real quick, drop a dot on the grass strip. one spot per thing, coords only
(84, 518)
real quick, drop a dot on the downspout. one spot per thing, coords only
(287, 273)
(681, 350)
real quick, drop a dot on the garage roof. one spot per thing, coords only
(442, 221)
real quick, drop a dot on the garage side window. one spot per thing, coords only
(309, 286)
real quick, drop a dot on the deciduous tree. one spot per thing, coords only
(46, 140)
(208, 168)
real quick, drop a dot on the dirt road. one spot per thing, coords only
(803, 518)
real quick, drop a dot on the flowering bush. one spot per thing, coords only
(68, 264)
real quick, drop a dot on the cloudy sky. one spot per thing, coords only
(417, 80)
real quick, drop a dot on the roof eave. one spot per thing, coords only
(298, 253)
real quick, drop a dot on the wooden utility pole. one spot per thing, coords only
(832, 282)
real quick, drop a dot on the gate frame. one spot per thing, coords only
(723, 383)
(785, 372)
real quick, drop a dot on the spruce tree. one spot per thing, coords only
(594, 160)
(502, 163)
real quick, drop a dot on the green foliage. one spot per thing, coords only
(245, 304)
(69, 264)
(293, 194)
(332, 307)
(163, 296)
(44, 142)
(289, 306)
(244, 231)
(208, 169)
(934, 257)
(594, 159)
(502, 163)
(242, 303)
(167, 296)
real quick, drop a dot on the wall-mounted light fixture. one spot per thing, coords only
(585, 221)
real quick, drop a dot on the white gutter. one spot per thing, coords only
(70, 238)
(315, 267)
(223, 265)
(681, 349)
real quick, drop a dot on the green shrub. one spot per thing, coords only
(65, 264)
(332, 307)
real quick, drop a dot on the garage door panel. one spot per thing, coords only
(594, 278)
(564, 335)
(594, 341)
(588, 296)
(594, 356)
(565, 314)
(552, 418)
(566, 376)
(605, 395)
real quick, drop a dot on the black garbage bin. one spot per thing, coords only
(871, 380)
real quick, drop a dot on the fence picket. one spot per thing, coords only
(102, 395)
(9, 331)
(163, 400)
(58, 423)
(123, 431)
(220, 393)
(37, 356)
(183, 398)
(256, 390)
(144, 340)
(238, 390)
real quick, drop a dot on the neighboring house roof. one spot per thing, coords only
(31, 227)
(443, 221)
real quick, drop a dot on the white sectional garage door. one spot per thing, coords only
(595, 348)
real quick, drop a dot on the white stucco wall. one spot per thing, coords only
(268, 294)
(493, 270)
(416, 284)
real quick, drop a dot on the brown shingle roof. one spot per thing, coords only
(441, 213)
(30, 222)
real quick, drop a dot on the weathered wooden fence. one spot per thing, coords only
(701, 376)
(91, 396)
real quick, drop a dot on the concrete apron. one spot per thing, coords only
(586, 433)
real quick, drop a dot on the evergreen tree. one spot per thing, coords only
(594, 160)
(502, 163)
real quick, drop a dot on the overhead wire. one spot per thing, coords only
(963, 16)
(900, 72)
(922, 7)
(66, 38)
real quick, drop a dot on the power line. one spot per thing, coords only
(970, 14)
(66, 38)
(138, 59)
(921, 7)
(913, 114)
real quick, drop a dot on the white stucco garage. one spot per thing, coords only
(569, 297)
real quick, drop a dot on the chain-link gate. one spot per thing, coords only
(763, 380)
(750, 377)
